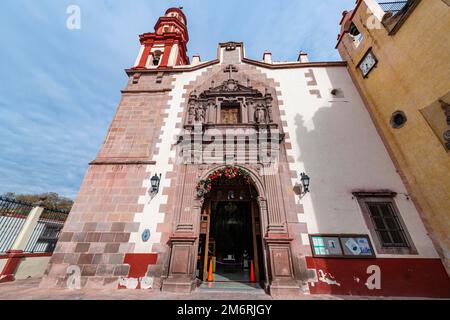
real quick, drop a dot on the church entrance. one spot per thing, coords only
(231, 236)
(230, 244)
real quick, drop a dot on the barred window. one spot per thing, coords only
(386, 224)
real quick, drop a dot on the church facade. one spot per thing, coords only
(261, 173)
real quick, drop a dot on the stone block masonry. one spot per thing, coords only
(96, 237)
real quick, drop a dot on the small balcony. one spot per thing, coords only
(393, 6)
(396, 13)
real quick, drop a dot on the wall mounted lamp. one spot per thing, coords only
(155, 181)
(302, 188)
(305, 182)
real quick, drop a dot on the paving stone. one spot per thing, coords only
(105, 290)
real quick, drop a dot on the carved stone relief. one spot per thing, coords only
(255, 107)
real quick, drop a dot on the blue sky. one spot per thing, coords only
(60, 88)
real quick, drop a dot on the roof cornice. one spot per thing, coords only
(132, 71)
(292, 65)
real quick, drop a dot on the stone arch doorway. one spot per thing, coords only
(230, 234)
(278, 264)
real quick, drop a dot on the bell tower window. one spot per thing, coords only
(156, 58)
(355, 34)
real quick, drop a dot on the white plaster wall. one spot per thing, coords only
(2, 263)
(335, 142)
(31, 268)
(173, 55)
(138, 59)
(376, 10)
(151, 217)
(223, 49)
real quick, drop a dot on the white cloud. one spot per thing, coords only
(60, 87)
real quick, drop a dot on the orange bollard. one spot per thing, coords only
(252, 272)
(210, 272)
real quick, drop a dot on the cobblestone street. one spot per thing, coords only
(29, 290)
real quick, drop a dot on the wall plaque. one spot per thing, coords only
(146, 235)
(341, 246)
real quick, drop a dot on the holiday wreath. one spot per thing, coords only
(229, 172)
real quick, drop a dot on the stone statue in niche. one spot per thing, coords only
(211, 103)
(268, 99)
(200, 114)
(191, 112)
(192, 106)
(260, 114)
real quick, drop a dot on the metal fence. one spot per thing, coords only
(47, 231)
(12, 218)
(13, 215)
(393, 6)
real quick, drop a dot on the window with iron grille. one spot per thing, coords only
(397, 12)
(385, 223)
(387, 226)
(393, 6)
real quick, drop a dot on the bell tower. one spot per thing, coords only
(167, 45)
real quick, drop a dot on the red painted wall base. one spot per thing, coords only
(398, 277)
(139, 263)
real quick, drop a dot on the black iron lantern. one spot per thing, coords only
(155, 180)
(305, 181)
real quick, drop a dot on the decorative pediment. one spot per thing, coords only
(231, 87)
(230, 103)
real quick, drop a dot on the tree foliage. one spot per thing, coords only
(51, 200)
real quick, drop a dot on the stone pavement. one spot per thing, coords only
(29, 290)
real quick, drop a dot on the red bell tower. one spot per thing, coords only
(167, 46)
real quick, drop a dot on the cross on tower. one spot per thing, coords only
(230, 68)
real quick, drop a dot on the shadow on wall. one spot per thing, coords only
(325, 151)
(341, 151)
(323, 145)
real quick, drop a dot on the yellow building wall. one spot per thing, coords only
(413, 72)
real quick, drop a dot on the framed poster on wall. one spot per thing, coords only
(326, 246)
(357, 246)
(341, 246)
